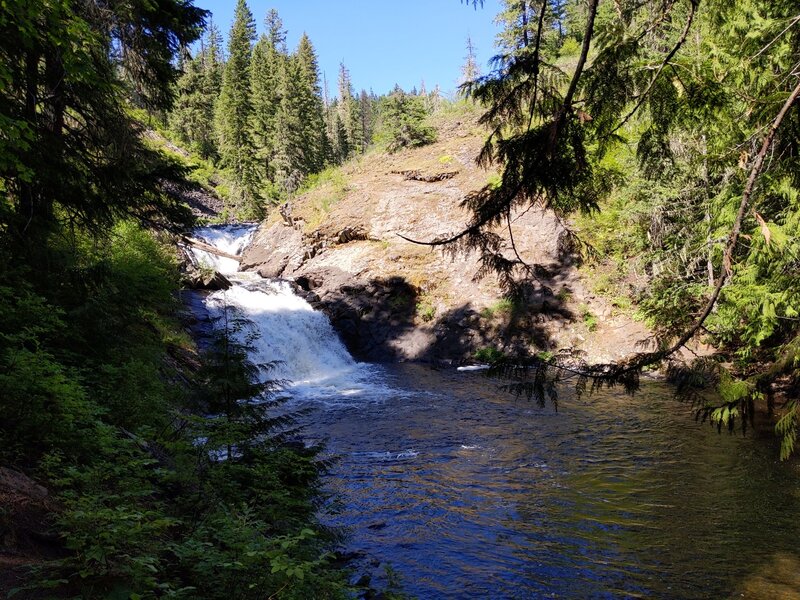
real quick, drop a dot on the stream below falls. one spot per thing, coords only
(468, 492)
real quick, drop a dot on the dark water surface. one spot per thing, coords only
(471, 493)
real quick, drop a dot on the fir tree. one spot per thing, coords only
(348, 112)
(185, 120)
(212, 66)
(268, 69)
(310, 107)
(290, 167)
(235, 109)
(403, 121)
(367, 114)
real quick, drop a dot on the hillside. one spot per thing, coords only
(392, 299)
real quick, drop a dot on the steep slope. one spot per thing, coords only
(392, 299)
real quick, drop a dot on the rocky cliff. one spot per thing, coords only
(391, 299)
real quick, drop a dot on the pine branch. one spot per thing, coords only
(733, 238)
(644, 95)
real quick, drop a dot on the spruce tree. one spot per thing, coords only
(335, 134)
(310, 107)
(403, 121)
(211, 67)
(68, 150)
(289, 149)
(348, 112)
(367, 114)
(185, 119)
(268, 69)
(235, 109)
(192, 116)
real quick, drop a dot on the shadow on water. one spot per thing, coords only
(470, 493)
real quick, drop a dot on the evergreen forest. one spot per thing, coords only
(140, 458)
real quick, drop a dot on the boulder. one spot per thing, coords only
(207, 280)
(275, 251)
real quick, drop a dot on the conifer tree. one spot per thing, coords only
(211, 67)
(192, 117)
(348, 112)
(367, 115)
(185, 120)
(268, 68)
(403, 121)
(289, 164)
(470, 71)
(310, 107)
(235, 108)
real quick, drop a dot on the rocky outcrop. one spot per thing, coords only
(274, 251)
(27, 536)
(417, 175)
(394, 300)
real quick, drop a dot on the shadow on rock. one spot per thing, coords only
(378, 319)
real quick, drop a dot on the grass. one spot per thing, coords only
(503, 307)
(488, 354)
(589, 319)
(323, 190)
(399, 302)
(426, 310)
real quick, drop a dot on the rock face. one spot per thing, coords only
(391, 299)
(274, 250)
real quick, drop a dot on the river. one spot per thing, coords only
(471, 493)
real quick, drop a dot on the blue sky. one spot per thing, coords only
(382, 42)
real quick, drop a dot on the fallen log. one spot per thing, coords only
(210, 249)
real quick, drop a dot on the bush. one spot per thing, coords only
(402, 122)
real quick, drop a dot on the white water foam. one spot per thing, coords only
(290, 332)
(231, 239)
(310, 356)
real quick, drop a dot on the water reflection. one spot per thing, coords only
(470, 493)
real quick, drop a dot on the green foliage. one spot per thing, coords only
(489, 355)
(426, 311)
(399, 302)
(104, 397)
(503, 307)
(72, 153)
(588, 318)
(401, 122)
(234, 110)
(189, 492)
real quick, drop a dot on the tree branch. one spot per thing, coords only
(733, 238)
(643, 96)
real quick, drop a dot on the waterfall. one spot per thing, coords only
(231, 239)
(290, 332)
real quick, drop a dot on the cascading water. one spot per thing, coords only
(300, 341)
(470, 493)
(230, 239)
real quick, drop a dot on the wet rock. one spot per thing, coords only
(206, 280)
